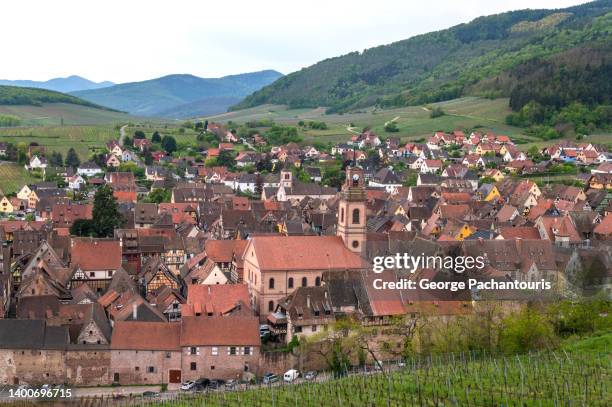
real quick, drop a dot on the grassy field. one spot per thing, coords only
(61, 138)
(414, 122)
(578, 374)
(13, 177)
(52, 114)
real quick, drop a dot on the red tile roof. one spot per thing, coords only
(215, 299)
(137, 335)
(96, 254)
(303, 253)
(523, 232)
(222, 251)
(605, 227)
(224, 331)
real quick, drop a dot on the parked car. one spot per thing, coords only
(215, 384)
(231, 383)
(270, 378)
(290, 375)
(264, 330)
(188, 385)
(201, 384)
(311, 375)
(150, 394)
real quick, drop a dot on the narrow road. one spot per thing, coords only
(122, 134)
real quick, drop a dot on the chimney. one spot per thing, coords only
(134, 311)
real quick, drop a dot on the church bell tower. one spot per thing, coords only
(352, 211)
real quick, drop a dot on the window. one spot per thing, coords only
(355, 216)
(193, 366)
(355, 244)
(92, 274)
(290, 282)
(318, 281)
(193, 350)
(214, 351)
(297, 329)
(151, 369)
(247, 350)
(137, 368)
(271, 284)
(232, 350)
(304, 281)
(342, 215)
(110, 273)
(212, 367)
(168, 355)
(314, 328)
(271, 306)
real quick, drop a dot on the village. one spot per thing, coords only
(235, 264)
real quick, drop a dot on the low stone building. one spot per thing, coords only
(219, 347)
(145, 353)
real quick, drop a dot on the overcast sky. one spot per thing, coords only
(133, 40)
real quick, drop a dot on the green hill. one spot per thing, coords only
(22, 106)
(468, 59)
(180, 96)
(13, 95)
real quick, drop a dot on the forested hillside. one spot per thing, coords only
(13, 95)
(498, 55)
(180, 96)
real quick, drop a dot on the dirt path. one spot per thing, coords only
(122, 134)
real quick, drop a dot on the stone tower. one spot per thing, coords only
(352, 211)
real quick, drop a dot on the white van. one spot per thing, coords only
(291, 375)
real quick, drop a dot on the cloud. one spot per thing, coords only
(136, 40)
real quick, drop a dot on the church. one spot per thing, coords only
(274, 266)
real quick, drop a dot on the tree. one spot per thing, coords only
(156, 138)
(258, 184)
(22, 156)
(526, 330)
(226, 159)
(83, 227)
(72, 158)
(148, 157)
(11, 152)
(391, 127)
(106, 215)
(159, 195)
(168, 143)
(56, 159)
(139, 134)
(335, 346)
(436, 112)
(128, 142)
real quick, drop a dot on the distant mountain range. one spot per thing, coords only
(556, 56)
(179, 96)
(64, 85)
